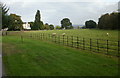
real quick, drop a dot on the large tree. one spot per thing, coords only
(5, 17)
(51, 27)
(90, 24)
(15, 22)
(38, 24)
(109, 21)
(65, 23)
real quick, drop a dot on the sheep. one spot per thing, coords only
(63, 34)
(107, 34)
(53, 34)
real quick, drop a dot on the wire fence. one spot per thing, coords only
(108, 47)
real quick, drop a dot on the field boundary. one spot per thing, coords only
(108, 47)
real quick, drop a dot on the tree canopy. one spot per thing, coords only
(15, 22)
(65, 23)
(109, 21)
(90, 24)
(38, 24)
(5, 16)
(57, 27)
(51, 27)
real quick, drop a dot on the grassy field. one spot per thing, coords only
(42, 58)
(94, 40)
(86, 33)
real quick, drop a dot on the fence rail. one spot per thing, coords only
(108, 47)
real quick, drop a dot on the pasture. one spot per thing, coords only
(40, 58)
(86, 33)
(34, 55)
(87, 39)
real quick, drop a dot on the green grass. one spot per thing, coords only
(40, 58)
(87, 34)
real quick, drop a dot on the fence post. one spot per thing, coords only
(63, 39)
(59, 39)
(83, 44)
(118, 48)
(49, 36)
(77, 42)
(67, 40)
(40, 36)
(90, 44)
(107, 46)
(97, 45)
(72, 40)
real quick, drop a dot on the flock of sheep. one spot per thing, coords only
(63, 34)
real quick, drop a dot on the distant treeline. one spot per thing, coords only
(106, 21)
(14, 22)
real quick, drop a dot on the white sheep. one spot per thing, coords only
(107, 34)
(63, 34)
(53, 34)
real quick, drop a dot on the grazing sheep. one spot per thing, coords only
(53, 34)
(107, 34)
(63, 34)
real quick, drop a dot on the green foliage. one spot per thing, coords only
(65, 23)
(31, 23)
(15, 22)
(109, 21)
(46, 26)
(5, 16)
(90, 24)
(38, 24)
(51, 27)
(57, 27)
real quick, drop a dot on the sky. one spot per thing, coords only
(53, 11)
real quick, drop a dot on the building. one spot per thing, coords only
(26, 26)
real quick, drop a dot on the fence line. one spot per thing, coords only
(96, 45)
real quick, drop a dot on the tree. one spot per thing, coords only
(38, 24)
(51, 27)
(46, 26)
(90, 24)
(57, 27)
(15, 22)
(65, 23)
(5, 16)
(109, 21)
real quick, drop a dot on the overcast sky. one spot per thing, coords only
(53, 11)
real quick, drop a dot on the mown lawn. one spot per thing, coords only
(40, 58)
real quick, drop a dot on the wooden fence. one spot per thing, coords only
(108, 47)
